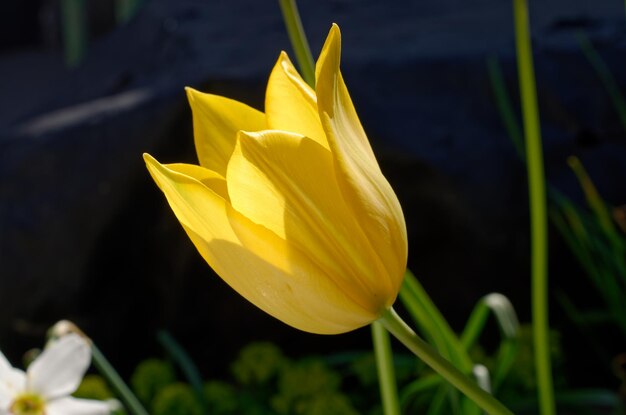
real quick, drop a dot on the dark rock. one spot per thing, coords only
(86, 235)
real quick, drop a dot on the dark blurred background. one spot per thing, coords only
(86, 235)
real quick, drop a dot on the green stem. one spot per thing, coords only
(392, 322)
(298, 40)
(386, 373)
(538, 215)
(122, 390)
(74, 28)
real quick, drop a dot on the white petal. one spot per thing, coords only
(16, 380)
(12, 383)
(5, 366)
(60, 368)
(74, 406)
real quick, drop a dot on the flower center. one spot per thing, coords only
(28, 404)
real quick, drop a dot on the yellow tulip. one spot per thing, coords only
(289, 207)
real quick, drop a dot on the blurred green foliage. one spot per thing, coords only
(94, 387)
(176, 399)
(150, 377)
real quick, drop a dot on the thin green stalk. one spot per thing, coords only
(186, 364)
(605, 75)
(126, 9)
(504, 105)
(298, 40)
(74, 28)
(120, 388)
(386, 372)
(392, 322)
(538, 211)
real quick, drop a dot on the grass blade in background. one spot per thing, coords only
(432, 323)
(126, 9)
(438, 332)
(605, 75)
(506, 317)
(503, 101)
(185, 363)
(108, 372)
(74, 27)
(538, 210)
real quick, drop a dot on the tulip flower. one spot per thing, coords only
(46, 386)
(290, 207)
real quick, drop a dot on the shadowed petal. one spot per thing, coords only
(59, 369)
(290, 103)
(261, 266)
(216, 121)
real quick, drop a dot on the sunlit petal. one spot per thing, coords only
(264, 268)
(216, 121)
(286, 182)
(364, 188)
(59, 369)
(290, 104)
(209, 178)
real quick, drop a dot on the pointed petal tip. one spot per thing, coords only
(150, 161)
(334, 36)
(247, 135)
(157, 170)
(327, 70)
(191, 94)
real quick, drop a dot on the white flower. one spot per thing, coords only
(46, 386)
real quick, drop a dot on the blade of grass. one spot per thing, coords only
(131, 403)
(427, 316)
(605, 75)
(593, 197)
(298, 40)
(436, 329)
(418, 386)
(74, 26)
(501, 308)
(438, 402)
(126, 9)
(504, 106)
(538, 215)
(508, 323)
(185, 363)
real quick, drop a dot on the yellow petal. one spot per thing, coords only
(363, 186)
(216, 121)
(290, 103)
(286, 182)
(265, 269)
(209, 178)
